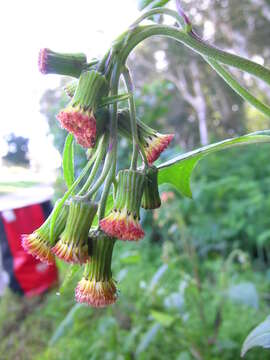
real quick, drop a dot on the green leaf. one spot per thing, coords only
(162, 318)
(130, 257)
(147, 338)
(68, 161)
(260, 336)
(65, 325)
(178, 171)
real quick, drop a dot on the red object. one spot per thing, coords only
(29, 276)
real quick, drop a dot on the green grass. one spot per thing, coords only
(145, 323)
(13, 186)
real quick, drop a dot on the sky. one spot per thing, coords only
(63, 26)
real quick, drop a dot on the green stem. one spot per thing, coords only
(133, 124)
(161, 11)
(113, 142)
(100, 153)
(240, 90)
(198, 46)
(61, 202)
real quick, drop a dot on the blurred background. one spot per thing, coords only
(199, 281)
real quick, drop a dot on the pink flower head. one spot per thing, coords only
(42, 60)
(50, 62)
(123, 221)
(96, 293)
(70, 253)
(81, 123)
(123, 225)
(155, 144)
(73, 244)
(38, 247)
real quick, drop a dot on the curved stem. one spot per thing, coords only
(161, 11)
(240, 90)
(132, 109)
(196, 44)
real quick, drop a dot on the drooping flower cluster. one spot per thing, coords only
(81, 230)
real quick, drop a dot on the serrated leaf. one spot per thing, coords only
(68, 161)
(178, 171)
(260, 336)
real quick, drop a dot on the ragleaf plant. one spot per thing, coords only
(94, 120)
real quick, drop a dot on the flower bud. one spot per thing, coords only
(97, 287)
(123, 220)
(151, 199)
(70, 88)
(73, 244)
(152, 141)
(50, 62)
(78, 117)
(38, 243)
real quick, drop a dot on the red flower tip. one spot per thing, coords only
(42, 60)
(70, 253)
(96, 293)
(155, 145)
(122, 225)
(33, 244)
(80, 123)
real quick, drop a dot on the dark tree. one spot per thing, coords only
(17, 150)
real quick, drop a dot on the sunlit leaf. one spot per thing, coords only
(178, 171)
(68, 161)
(260, 336)
(162, 318)
(131, 258)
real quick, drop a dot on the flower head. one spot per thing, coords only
(50, 62)
(154, 144)
(39, 244)
(78, 117)
(97, 287)
(123, 221)
(81, 123)
(73, 244)
(152, 141)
